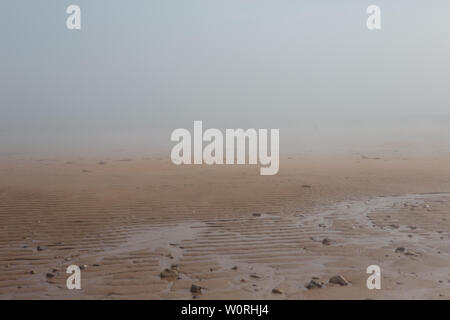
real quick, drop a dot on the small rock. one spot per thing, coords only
(410, 253)
(49, 275)
(255, 276)
(340, 280)
(234, 268)
(326, 242)
(306, 186)
(395, 226)
(169, 274)
(277, 291)
(41, 248)
(256, 214)
(314, 284)
(83, 267)
(196, 289)
(101, 162)
(400, 250)
(32, 272)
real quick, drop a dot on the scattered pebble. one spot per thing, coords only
(314, 284)
(277, 291)
(169, 274)
(410, 253)
(196, 289)
(326, 242)
(340, 280)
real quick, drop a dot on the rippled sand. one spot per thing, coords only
(226, 228)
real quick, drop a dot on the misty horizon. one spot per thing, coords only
(135, 72)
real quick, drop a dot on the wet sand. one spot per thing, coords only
(235, 233)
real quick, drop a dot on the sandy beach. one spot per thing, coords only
(234, 233)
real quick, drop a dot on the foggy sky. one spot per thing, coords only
(139, 69)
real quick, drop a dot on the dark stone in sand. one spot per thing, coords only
(49, 275)
(326, 242)
(256, 214)
(169, 274)
(196, 289)
(277, 291)
(306, 186)
(340, 280)
(400, 250)
(314, 284)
